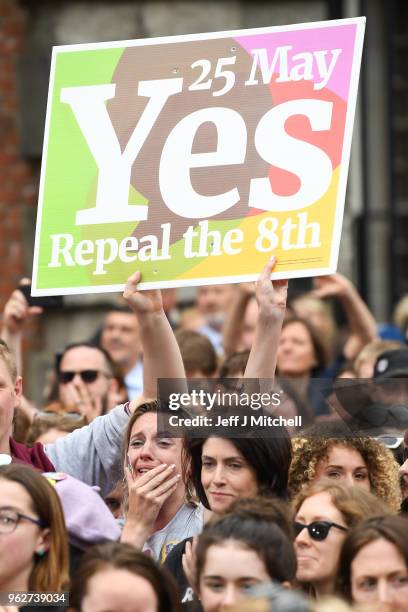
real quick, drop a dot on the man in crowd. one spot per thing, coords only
(120, 337)
(85, 373)
(213, 302)
(86, 380)
(93, 453)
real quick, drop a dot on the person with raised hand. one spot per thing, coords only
(361, 322)
(222, 470)
(93, 453)
(97, 458)
(271, 298)
(161, 355)
(158, 514)
(16, 314)
(244, 321)
(158, 511)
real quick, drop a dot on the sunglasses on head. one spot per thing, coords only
(390, 441)
(87, 376)
(318, 530)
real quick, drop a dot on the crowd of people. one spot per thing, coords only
(101, 503)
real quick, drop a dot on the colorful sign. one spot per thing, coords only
(195, 158)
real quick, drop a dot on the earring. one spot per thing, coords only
(40, 553)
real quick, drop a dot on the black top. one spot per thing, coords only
(188, 598)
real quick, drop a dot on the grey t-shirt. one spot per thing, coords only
(187, 522)
(93, 453)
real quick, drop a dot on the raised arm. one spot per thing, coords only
(271, 299)
(161, 354)
(16, 315)
(93, 453)
(362, 325)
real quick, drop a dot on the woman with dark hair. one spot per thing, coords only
(157, 511)
(222, 471)
(373, 569)
(239, 550)
(302, 358)
(301, 351)
(33, 538)
(117, 577)
(234, 365)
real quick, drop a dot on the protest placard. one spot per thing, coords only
(195, 158)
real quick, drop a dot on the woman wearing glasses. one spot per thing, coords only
(324, 513)
(33, 538)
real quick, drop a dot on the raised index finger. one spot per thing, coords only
(131, 284)
(265, 275)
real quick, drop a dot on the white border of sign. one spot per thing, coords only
(344, 165)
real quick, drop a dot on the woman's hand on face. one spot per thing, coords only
(142, 302)
(188, 562)
(271, 296)
(147, 494)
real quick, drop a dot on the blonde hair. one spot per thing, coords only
(148, 406)
(8, 360)
(401, 313)
(373, 349)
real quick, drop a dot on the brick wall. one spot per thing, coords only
(18, 178)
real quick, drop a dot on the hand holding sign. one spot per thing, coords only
(146, 303)
(271, 297)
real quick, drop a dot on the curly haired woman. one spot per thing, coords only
(331, 450)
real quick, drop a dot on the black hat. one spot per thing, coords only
(391, 364)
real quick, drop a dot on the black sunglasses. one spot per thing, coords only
(318, 530)
(88, 376)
